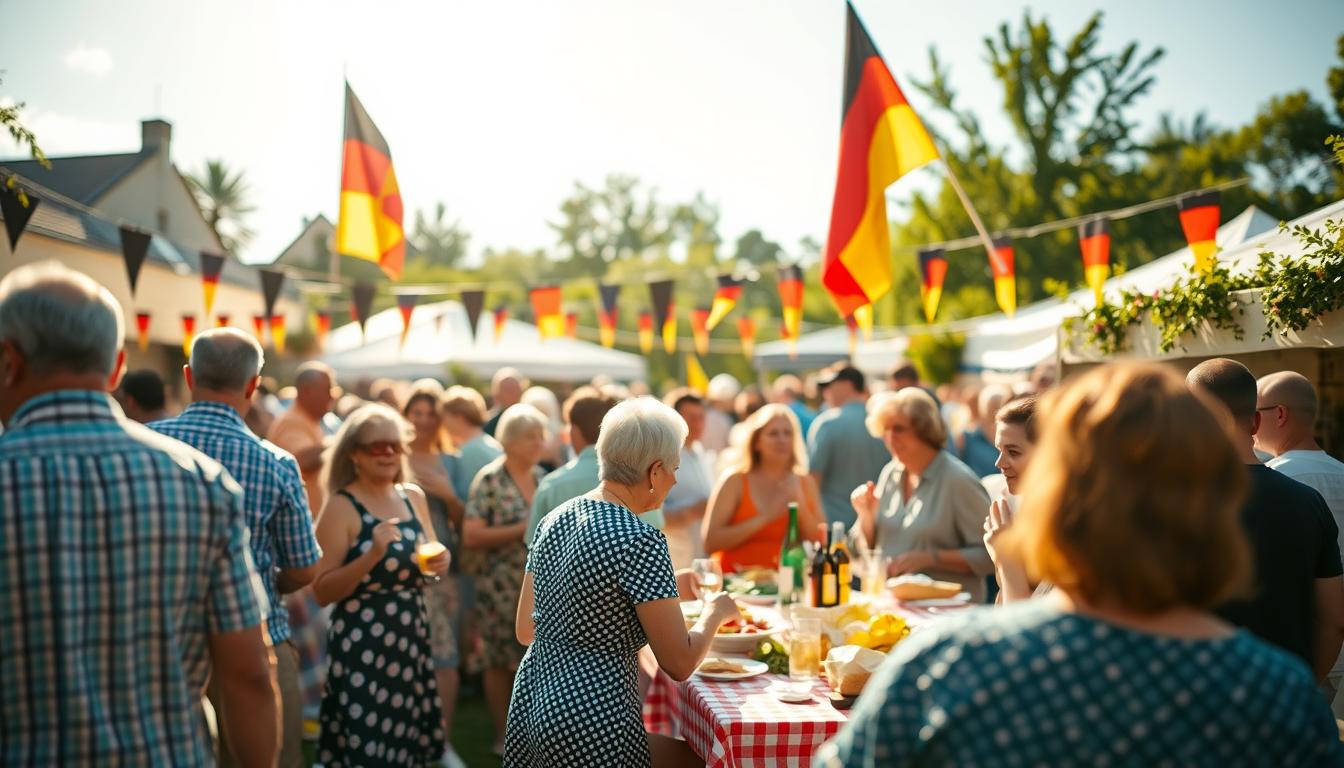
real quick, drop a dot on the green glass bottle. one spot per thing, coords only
(792, 562)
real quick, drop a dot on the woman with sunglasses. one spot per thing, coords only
(381, 704)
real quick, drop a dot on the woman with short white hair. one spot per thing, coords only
(496, 517)
(599, 586)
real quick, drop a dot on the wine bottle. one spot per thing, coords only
(792, 562)
(824, 582)
(840, 551)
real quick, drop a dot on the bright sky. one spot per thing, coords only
(496, 108)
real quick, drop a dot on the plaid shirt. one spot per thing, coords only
(121, 553)
(275, 505)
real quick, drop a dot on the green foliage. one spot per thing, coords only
(1297, 291)
(223, 197)
(9, 118)
(438, 241)
(936, 357)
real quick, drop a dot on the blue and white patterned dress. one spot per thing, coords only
(1029, 685)
(576, 698)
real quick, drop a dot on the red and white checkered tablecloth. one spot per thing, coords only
(736, 724)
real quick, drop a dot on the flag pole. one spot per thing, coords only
(970, 210)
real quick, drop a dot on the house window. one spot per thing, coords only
(163, 220)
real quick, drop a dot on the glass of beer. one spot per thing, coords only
(426, 549)
(805, 650)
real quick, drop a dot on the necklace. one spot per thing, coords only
(608, 492)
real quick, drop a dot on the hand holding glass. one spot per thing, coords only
(708, 576)
(432, 557)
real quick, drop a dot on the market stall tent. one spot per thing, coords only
(440, 337)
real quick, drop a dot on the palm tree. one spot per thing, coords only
(222, 195)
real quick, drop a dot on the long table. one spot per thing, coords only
(736, 724)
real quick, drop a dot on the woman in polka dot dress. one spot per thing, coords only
(381, 704)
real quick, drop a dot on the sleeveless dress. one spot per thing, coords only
(762, 549)
(381, 706)
(576, 698)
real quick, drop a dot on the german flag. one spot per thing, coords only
(932, 275)
(546, 310)
(696, 378)
(222, 320)
(142, 330)
(606, 317)
(881, 140)
(1199, 221)
(321, 327)
(1001, 266)
(501, 320)
(791, 299)
(406, 306)
(212, 266)
(1095, 241)
(572, 325)
(725, 298)
(746, 331)
(361, 304)
(370, 220)
(700, 329)
(665, 313)
(276, 323)
(259, 328)
(188, 333)
(646, 332)
(472, 303)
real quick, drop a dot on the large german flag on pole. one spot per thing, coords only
(881, 140)
(370, 222)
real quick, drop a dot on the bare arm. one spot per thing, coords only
(680, 651)
(1329, 623)
(289, 580)
(477, 535)
(523, 626)
(718, 530)
(244, 670)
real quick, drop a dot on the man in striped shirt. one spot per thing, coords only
(224, 371)
(125, 572)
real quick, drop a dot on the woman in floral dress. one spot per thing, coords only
(493, 552)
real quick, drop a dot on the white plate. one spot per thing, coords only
(766, 600)
(754, 668)
(790, 692)
(941, 602)
(739, 643)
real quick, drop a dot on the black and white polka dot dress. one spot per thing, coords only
(381, 706)
(576, 697)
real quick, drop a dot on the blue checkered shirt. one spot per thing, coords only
(274, 502)
(121, 553)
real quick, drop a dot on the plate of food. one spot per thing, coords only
(754, 586)
(742, 635)
(733, 668)
(915, 587)
(955, 601)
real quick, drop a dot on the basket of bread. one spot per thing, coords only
(848, 668)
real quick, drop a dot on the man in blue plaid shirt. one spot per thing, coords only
(125, 570)
(225, 369)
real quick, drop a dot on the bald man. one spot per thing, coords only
(1287, 405)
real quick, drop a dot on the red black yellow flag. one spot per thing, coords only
(16, 212)
(473, 302)
(276, 323)
(222, 320)
(700, 329)
(501, 321)
(370, 220)
(881, 140)
(406, 306)
(606, 317)
(321, 327)
(1002, 267)
(572, 325)
(142, 330)
(212, 266)
(1199, 221)
(271, 283)
(791, 299)
(1095, 241)
(725, 298)
(932, 275)
(361, 302)
(646, 332)
(259, 328)
(665, 313)
(188, 333)
(546, 310)
(746, 331)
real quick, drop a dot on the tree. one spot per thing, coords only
(439, 242)
(9, 118)
(754, 249)
(599, 226)
(223, 197)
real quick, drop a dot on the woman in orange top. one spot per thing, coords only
(748, 515)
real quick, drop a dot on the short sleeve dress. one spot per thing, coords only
(381, 705)
(576, 696)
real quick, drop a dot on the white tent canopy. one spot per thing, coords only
(440, 337)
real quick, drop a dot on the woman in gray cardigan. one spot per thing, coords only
(927, 509)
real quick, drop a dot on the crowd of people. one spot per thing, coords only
(1165, 553)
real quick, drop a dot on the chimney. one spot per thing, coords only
(155, 135)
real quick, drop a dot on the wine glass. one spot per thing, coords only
(708, 576)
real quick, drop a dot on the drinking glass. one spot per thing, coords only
(708, 576)
(805, 649)
(427, 549)
(875, 573)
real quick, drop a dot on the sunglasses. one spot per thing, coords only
(381, 448)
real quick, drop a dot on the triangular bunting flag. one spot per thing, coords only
(188, 333)
(16, 213)
(546, 311)
(321, 327)
(276, 323)
(665, 313)
(696, 378)
(606, 316)
(271, 283)
(1095, 241)
(259, 328)
(406, 306)
(212, 266)
(700, 329)
(142, 330)
(473, 302)
(361, 303)
(791, 299)
(932, 274)
(501, 321)
(222, 320)
(134, 249)
(746, 331)
(725, 298)
(646, 332)
(572, 325)
(1199, 220)
(1003, 267)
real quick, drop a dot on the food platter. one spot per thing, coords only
(730, 668)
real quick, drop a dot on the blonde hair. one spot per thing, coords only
(465, 403)
(338, 468)
(756, 424)
(1133, 492)
(917, 406)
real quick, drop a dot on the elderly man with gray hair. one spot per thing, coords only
(124, 562)
(599, 585)
(223, 372)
